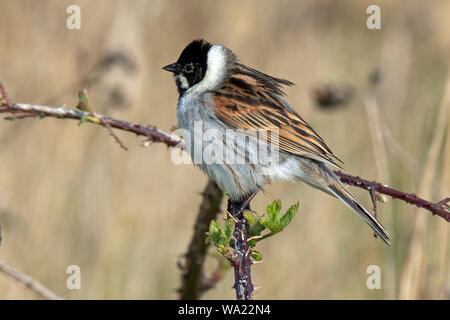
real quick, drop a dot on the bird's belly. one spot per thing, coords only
(235, 165)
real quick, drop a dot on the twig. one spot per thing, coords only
(192, 270)
(435, 208)
(373, 196)
(154, 134)
(65, 113)
(34, 286)
(112, 134)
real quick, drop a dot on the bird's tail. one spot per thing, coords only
(339, 191)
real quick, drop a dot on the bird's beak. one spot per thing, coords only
(174, 67)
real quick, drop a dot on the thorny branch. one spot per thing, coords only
(194, 281)
(440, 208)
(21, 110)
(241, 261)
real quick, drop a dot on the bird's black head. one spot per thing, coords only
(191, 65)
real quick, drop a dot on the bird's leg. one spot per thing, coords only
(235, 208)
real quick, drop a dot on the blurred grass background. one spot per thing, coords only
(71, 195)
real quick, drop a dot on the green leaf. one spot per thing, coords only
(220, 236)
(83, 101)
(250, 216)
(229, 227)
(255, 227)
(213, 233)
(88, 118)
(273, 211)
(256, 255)
(266, 223)
(289, 215)
(273, 222)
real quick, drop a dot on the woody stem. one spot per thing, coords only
(242, 261)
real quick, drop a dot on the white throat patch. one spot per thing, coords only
(217, 67)
(183, 81)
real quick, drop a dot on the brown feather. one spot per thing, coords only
(253, 100)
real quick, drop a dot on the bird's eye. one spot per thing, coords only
(188, 68)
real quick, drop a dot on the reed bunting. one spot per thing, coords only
(223, 95)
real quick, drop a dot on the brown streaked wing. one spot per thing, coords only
(243, 104)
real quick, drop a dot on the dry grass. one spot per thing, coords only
(71, 195)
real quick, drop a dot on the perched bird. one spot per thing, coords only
(219, 95)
